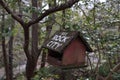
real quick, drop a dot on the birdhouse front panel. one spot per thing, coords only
(75, 53)
(80, 51)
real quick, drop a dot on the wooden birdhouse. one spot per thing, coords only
(67, 48)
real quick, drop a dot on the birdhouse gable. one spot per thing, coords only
(61, 39)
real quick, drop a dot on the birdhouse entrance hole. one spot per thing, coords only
(56, 55)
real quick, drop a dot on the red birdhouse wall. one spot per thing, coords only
(75, 53)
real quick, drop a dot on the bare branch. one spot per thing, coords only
(15, 16)
(64, 6)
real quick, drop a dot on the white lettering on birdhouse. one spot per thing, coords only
(53, 44)
(58, 40)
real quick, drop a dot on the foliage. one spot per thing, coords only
(104, 69)
(116, 76)
(99, 23)
(44, 74)
(20, 77)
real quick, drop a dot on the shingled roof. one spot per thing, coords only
(61, 39)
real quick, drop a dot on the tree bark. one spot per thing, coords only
(11, 52)
(6, 63)
(30, 68)
(43, 59)
(31, 64)
(34, 48)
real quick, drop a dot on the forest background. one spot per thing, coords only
(25, 25)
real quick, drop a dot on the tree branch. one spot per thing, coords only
(64, 6)
(15, 16)
(26, 42)
(115, 69)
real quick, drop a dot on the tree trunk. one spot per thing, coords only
(11, 53)
(32, 61)
(26, 50)
(6, 64)
(30, 68)
(43, 59)
(34, 48)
